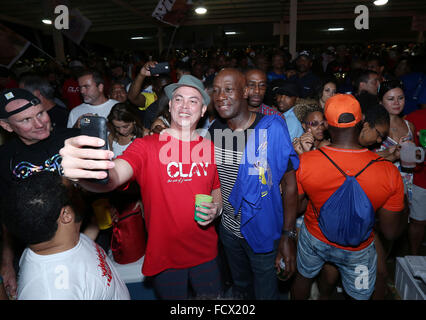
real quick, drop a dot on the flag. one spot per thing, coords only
(172, 12)
(418, 23)
(12, 46)
(78, 26)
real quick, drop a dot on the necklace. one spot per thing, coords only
(244, 127)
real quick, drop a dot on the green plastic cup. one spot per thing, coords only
(198, 199)
(422, 138)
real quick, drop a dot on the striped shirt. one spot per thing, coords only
(228, 156)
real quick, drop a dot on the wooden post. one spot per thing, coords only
(420, 37)
(293, 28)
(58, 41)
(160, 40)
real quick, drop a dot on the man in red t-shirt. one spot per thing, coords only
(171, 168)
(70, 88)
(416, 228)
(318, 179)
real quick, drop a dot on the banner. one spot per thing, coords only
(78, 26)
(418, 23)
(172, 12)
(12, 46)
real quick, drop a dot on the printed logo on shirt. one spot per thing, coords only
(177, 172)
(73, 89)
(103, 265)
(173, 150)
(25, 169)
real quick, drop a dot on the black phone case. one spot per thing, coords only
(96, 127)
(160, 68)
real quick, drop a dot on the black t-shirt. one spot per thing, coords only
(151, 113)
(58, 116)
(19, 160)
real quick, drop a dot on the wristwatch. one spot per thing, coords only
(292, 234)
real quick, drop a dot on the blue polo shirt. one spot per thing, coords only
(294, 126)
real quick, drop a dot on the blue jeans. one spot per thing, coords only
(254, 274)
(357, 268)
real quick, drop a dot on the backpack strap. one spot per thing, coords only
(334, 163)
(362, 170)
(379, 159)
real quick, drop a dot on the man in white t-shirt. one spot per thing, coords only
(59, 262)
(91, 85)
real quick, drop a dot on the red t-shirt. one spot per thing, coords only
(318, 178)
(170, 173)
(418, 118)
(71, 93)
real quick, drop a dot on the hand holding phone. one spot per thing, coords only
(160, 68)
(96, 127)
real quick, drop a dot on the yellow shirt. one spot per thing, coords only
(150, 97)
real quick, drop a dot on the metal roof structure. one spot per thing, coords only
(114, 22)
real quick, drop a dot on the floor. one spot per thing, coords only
(395, 249)
(398, 248)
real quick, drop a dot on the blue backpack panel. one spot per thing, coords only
(347, 217)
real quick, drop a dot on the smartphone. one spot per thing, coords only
(160, 68)
(96, 127)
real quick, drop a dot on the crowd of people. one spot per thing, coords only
(279, 144)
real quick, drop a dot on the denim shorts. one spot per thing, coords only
(418, 203)
(357, 268)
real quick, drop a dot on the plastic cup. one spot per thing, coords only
(422, 138)
(103, 216)
(408, 155)
(198, 199)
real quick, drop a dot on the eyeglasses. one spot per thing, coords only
(315, 123)
(382, 136)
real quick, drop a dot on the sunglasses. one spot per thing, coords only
(315, 123)
(381, 135)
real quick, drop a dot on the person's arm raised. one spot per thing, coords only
(80, 163)
(135, 89)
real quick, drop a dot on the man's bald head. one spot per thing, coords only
(230, 93)
(235, 73)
